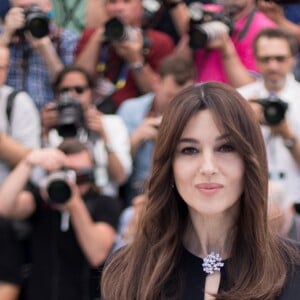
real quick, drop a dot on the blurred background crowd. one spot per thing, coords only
(83, 88)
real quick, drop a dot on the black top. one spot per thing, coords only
(192, 278)
(10, 255)
(60, 270)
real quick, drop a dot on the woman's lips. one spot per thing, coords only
(209, 188)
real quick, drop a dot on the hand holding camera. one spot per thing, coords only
(93, 121)
(49, 159)
(14, 20)
(61, 186)
(49, 117)
(274, 109)
(128, 40)
(148, 129)
(208, 28)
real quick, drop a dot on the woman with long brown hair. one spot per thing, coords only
(204, 232)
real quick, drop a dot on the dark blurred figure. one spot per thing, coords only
(73, 225)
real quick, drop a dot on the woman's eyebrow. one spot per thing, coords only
(195, 141)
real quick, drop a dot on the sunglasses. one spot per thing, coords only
(278, 58)
(79, 89)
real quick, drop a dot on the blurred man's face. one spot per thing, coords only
(274, 60)
(79, 161)
(75, 85)
(4, 61)
(128, 11)
(166, 90)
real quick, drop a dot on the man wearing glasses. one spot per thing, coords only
(39, 48)
(106, 134)
(276, 100)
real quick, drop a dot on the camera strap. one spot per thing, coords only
(65, 221)
(9, 107)
(55, 36)
(247, 25)
(120, 80)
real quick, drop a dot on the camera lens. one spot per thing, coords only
(115, 30)
(38, 27)
(36, 21)
(274, 112)
(59, 191)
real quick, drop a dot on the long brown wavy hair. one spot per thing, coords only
(259, 260)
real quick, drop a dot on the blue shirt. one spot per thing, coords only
(27, 70)
(133, 112)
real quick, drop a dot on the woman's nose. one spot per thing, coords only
(207, 163)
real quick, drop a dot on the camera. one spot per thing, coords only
(274, 109)
(150, 9)
(70, 116)
(207, 25)
(36, 22)
(116, 31)
(57, 186)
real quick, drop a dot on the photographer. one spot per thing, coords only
(71, 235)
(226, 55)
(275, 52)
(286, 16)
(38, 48)
(74, 113)
(124, 67)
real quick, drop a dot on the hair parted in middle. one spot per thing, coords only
(142, 269)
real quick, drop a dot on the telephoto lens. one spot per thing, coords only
(36, 21)
(274, 109)
(57, 186)
(116, 31)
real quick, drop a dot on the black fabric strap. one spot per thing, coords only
(249, 21)
(10, 104)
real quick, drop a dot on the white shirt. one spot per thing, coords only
(24, 126)
(280, 160)
(118, 139)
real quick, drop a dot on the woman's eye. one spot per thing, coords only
(226, 148)
(189, 150)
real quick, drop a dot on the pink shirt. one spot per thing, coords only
(209, 63)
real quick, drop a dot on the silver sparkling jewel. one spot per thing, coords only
(212, 262)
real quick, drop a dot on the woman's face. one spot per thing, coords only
(208, 172)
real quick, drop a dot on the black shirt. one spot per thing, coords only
(191, 280)
(60, 270)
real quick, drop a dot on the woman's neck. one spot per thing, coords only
(210, 234)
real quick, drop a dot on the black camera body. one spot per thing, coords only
(274, 109)
(206, 25)
(116, 31)
(36, 22)
(150, 9)
(57, 183)
(70, 116)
